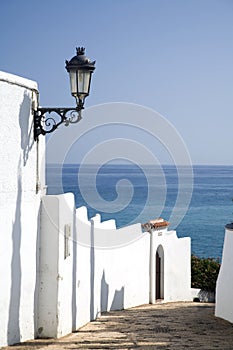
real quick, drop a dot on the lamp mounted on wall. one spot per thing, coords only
(80, 69)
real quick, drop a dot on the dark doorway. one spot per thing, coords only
(158, 277)
(159, 280)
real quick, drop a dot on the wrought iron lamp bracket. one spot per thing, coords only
(44, 123)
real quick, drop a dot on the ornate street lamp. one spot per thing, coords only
(80, 69)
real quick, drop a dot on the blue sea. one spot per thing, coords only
(121, 192)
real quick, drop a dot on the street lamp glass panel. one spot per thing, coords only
(80, 83)
(84, 82)
(73, 82)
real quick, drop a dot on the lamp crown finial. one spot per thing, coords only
(80, 50)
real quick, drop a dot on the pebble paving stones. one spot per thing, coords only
(162, 326)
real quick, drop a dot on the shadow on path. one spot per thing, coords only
(159, 326)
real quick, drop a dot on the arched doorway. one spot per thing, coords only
(159, 278)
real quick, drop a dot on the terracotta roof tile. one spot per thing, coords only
(155, 224)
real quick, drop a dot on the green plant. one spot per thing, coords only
(204, 273)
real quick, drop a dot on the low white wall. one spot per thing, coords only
(109, 276)
(92, 279)
(19, 208)
(84, 270)
(122, 271)
(224, 286)
(177, 280)
(108, 268)
(56, 266)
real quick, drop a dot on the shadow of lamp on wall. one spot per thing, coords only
(80, 69)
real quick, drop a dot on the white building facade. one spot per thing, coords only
(21, 186)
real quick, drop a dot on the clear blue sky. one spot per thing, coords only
(174, 56)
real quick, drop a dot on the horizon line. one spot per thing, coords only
(140, 164)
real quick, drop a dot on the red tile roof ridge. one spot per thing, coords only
(154, 224)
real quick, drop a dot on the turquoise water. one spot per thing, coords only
(210, 208)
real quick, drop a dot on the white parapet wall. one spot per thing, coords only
(120, 262)
(112, 267)
(21, 173)
(177, 271)
(224, 286)
(84, 273)
(107, 269)
(56, 267)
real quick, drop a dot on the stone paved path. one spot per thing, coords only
(160, 326)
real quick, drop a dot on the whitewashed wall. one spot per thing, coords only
(56, 266)
(119, 272)
(177, 273)
(92, 279)
(175, 256)
(84, 271)
(108, 268)
(224, 286)
(19, 209)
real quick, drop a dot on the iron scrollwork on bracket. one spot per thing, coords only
(44, 123)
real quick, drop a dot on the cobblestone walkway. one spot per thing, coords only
(160, 326)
